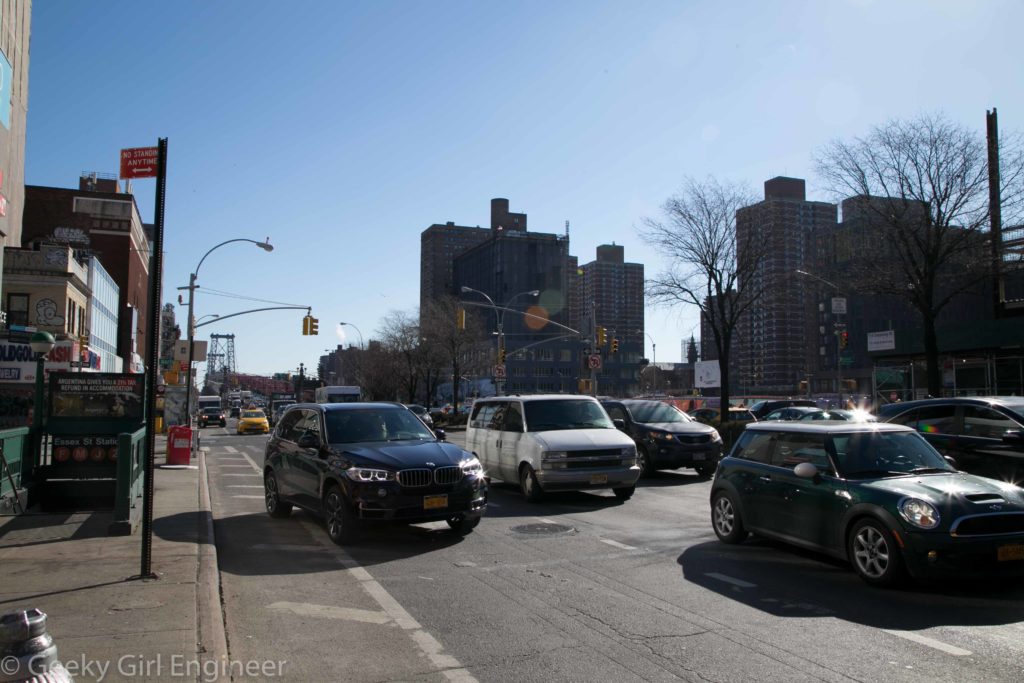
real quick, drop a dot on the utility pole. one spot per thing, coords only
(995, 213)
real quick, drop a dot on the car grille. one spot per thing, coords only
(989, 525)
(425, 477)
(694, 439)
(595, 453)
(584, 464)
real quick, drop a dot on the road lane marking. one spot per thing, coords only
(304, 609)
(286, 546)
(240, 474)
(246, 466)
(246, 496)
(253, 463)
(428, 645)
(929, 642)
(230, 449)
(244, 486)
(616, 544)
(729, 579)
(545, 520)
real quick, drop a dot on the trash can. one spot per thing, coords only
(179, 445)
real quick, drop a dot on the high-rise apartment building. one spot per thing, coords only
(777, 340)
(611, 295)
(439, 245)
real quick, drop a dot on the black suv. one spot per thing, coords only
(984, 435)
(665, 436)
(209, 416)
(356, 462)
(763, 407)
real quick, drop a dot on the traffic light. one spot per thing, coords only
(306, 323)
(601, 336)
(501, 355)
(615, 345)
(314, 326)
(460, 319)
(844, 339)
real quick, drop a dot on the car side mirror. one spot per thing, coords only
(309, 441)
(441, 436)
(806, 470)
(620, 424)
(952, 461)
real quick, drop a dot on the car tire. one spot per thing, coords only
(874, 554)
(272, 497)
(643, 459)
(529, 485)
(341, 522)
(462, 525)
(726, 519)
(624, 492)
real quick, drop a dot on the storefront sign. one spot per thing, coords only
(18, 361)
(84, 449)
(101, 395)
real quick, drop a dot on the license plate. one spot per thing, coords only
(598, 478)
(699, 456)
(435, 502)
(1010, 552)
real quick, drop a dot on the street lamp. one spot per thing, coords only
(41, 343)
(265, 246)
(499, 313)
(838, 329)
(353, 325)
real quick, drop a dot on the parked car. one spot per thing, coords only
(552, 442)
(253, 421)
(839, 415)
(422, 413)
(794, 413)
(709, 415)
(876, 495)
(209, 416)
(357, 462)
(666, 437)
(765, 406)
(984, 435)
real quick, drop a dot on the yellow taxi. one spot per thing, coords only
(253, 420)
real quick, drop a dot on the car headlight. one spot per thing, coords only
(365, 474)
(661, 436)
(919, 513)
(471, 467)
(716, 437)
(555, 455)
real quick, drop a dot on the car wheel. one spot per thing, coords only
(726, 518)
(874, 554)
(341, 522)
(275, 506)
(462, 525)
(624, 493)
(643, 459)
(529, 485)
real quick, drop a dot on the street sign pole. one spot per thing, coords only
(152, 358)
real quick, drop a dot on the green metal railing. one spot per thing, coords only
(131, 457)
(14, 444)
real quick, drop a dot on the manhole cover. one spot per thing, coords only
(543, 529)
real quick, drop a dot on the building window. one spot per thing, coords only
(17, 309)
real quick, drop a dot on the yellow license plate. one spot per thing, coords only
(1010, 552)
(598, 478)
(435, 502)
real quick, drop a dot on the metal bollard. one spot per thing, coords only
(27, 652)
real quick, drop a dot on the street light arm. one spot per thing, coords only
(353, 325)
(254, 310)
(266, 246)
(820, 279)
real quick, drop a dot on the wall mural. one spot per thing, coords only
(46, 313)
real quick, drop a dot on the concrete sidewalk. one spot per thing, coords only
(107, 623)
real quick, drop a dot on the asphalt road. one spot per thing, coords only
(580, 587)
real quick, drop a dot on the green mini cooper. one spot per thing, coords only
(877, 495)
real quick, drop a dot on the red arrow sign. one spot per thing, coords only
(138, 162)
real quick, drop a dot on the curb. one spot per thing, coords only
(210, 636)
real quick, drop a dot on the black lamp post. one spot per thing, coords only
(41, 343)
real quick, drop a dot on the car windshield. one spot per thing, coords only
(655, 411)
(254, 414)
(374, 425)
(865, 455)
(212, 411)
(557, 414)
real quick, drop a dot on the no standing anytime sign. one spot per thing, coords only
(138, 162)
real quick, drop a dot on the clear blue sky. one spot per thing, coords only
(341, 130)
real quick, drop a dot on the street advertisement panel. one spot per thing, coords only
(97, 396)
(706, 374)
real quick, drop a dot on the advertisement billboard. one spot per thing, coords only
(707, 375)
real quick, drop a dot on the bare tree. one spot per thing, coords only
(709, 266)
(443, 334)
(922, 186)
(400, 333)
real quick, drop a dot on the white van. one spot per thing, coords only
(552, 442)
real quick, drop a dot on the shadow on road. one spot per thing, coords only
(668, 478)
(509, 502)
(791, 582)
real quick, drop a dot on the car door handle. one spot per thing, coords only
(765, 478)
